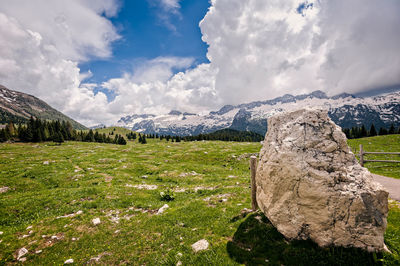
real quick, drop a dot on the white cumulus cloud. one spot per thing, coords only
(264, 49)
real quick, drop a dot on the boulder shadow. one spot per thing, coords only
(257, 242)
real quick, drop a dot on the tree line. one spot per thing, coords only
(227, 135)
(362, 132)
(37, 130)
(142, 138)
(223, 135)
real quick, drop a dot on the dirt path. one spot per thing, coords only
(392, 185)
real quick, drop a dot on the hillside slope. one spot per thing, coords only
(19, 107)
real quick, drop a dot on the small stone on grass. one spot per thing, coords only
(22, 252)
(69, 261)
(96, 221)
(200, 245)
(4, 189)
(162, 209)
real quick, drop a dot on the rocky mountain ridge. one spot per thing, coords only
(19, 107)
(344, 109)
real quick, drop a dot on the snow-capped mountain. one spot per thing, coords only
(345, 109)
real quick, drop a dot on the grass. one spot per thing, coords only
(388, 143)
(117, 130)
(211, 184)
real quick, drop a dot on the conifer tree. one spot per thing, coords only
(121, 141)
(11, 129)
(392, 129)
(383, 131)
(58, 138)
(363, 132)
(3, 135)
(372, 131)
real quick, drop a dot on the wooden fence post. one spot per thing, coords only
(253, 169)
(361, 155)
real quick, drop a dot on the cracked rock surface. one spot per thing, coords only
(310, 185)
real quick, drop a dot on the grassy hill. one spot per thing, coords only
(56, 191)
(115, 130)
(387, 143)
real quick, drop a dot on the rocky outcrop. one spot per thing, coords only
(310, 185)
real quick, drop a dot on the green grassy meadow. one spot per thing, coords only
(388, 143)
(210, 181)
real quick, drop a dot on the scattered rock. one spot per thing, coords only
(96, 221)
(246, 156)
(147, 187)
(38, 251)
(70, 215)
(200, 245)
(98, 257)
(29, 227)
(193, 173)
(4, 189)
(46, 162)
(69, 261)
(162, 209)
(310, 185)
(203, 188)
(1, 232)
(179, 263)
(21, 252)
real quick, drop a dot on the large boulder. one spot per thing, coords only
(310, 185)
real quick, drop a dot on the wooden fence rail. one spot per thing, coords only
(362, 153)
(253, 169)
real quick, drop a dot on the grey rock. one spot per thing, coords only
(310, 185)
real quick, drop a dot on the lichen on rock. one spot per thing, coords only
(310, 185)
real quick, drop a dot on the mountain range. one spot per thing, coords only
(19, 107)
(344, 109)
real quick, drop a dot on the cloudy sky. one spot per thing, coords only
(99, 60)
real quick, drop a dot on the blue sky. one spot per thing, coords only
(146, 36)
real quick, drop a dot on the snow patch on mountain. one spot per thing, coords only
(345, 109)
